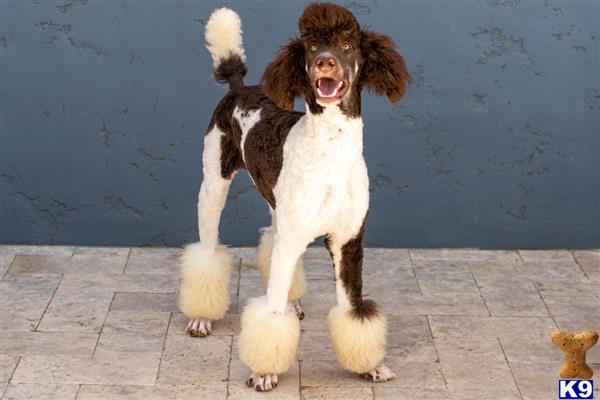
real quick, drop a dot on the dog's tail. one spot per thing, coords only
(224, 42)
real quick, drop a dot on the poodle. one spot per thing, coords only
(310, 169)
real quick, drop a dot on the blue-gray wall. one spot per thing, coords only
(104, 106)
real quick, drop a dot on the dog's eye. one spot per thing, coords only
(346, 46)
(313, 47)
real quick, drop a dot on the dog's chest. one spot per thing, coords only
(323, 170)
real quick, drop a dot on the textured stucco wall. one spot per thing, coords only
(104, 106)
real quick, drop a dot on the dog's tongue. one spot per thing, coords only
(328, 87)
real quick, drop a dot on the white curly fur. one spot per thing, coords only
(204, 291)
(265, 250)
(359, 344)
(268, 341)
(223, 35)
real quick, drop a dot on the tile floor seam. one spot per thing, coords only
(126, 260)
(10, 265)
(300, 395)
(78, 390)
(162, 348)
(12, 374)
(12, 260)
(546, 305)
(520, 256)
(37, 325)
(229, 368)
(578, 264)
(479, 290)
(437, 353)
(102, 326)
(237, 292)
(509, 368)
(417, 280)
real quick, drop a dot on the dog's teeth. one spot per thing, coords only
(340, 84)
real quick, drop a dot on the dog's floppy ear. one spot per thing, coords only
(384, 70)
(285, 78)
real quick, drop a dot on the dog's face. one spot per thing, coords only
(332, 61)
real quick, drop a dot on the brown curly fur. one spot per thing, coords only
(382, 69)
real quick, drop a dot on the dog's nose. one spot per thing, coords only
(325, 63)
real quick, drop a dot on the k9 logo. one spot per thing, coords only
(575, 389)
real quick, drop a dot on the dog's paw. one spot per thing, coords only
(298, 310)
(381, 373)
(262, 383)
(198, 328)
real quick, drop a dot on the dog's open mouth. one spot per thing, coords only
(329, 89)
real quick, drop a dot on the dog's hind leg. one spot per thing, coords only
(206, 265)
(265, 251)
(357, 326)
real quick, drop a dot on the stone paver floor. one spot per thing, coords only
(102, 323)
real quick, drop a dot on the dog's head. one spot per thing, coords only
(332, 61)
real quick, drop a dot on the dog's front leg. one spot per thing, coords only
(270, 328)
(357, 326)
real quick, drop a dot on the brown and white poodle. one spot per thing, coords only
(310, 169)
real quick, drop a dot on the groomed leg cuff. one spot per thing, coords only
(265, 249)
(268, 341)
(204, 291)
(359, 343)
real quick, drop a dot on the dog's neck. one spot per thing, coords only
(333, 121)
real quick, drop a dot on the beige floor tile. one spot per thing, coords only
(409, 374)
(485, 353)
(505, 256)
(536, 381)
(583, 306)
(5, 261)
(567, 288)
(136, 322)
(115, 370)
(131, 344)
(7, 366)
(287, 386)
(546, 255)
(541, 272)
(77, 306)
(470, 327)
(337, 393)
(147, 283)
(386, 257)
(321, 267)
(189, 361)
(432, 304)
(216, 391)
(161, 302)
(28, 391)
(315, 345)
(59, 264)
(384, 393)
(48, 343)
(505, 301)
(131, 283)
(102, 251)
(434, 281)
(316, 252)
(409, 327)
(32, 249)
(531, 350)
(23, 299)
(247, 255)
(154, 260)
(592, 270)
